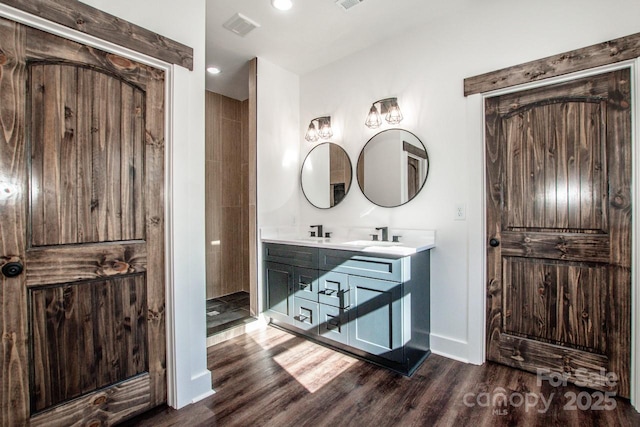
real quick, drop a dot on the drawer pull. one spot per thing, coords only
(302, 318)
(304, 285)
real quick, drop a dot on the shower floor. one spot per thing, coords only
(227, 311)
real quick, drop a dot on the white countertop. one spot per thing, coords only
(354, 239)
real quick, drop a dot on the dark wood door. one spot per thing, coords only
(559, 208)
(81, 209)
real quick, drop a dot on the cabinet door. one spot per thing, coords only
(375, 317)
(279, 291)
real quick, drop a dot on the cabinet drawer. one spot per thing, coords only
(306, 315)
(355, 263)
(334, 323)
(301, 256)
(305, 283)
(333, 289)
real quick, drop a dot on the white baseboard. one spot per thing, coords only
(202, 382)
(450, 348)
(203, 396)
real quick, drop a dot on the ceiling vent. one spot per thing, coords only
(240, 25)
(348, 4)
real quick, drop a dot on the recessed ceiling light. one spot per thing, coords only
(282, 4)
(213, 70)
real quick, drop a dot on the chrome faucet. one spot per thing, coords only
(319, 234)
(385, 233)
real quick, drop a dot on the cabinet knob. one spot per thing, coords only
(494, 243)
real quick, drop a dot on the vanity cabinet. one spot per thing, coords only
(373, 306)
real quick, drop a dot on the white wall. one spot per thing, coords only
(425, 69)
(183, 21)
(278, 155)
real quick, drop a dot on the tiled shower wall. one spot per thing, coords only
(227, 195)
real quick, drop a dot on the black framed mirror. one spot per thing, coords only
(326, 175)
(392, 167)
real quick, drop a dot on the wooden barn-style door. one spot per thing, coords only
(82, 232)
(558, 165)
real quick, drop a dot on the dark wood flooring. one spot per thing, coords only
(272, 378)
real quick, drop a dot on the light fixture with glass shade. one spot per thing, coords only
(389, 107)
(322, 131)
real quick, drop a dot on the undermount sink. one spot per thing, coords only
(372, 243)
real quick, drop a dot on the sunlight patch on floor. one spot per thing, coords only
(313, 366)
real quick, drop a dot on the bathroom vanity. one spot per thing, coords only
(370, 299)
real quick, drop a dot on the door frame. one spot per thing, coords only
(477, 224)
(177, 361)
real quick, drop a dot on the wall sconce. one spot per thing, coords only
(389, 107)
(323, 131)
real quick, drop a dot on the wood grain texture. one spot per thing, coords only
(554, 174)
(155, 232)
(104, 407)
(70, 263)
(270, 378)
(87, 19)
(560, 303)
(64, 363)
(41, 77)
(558, 200)
(585, 58)
(565, 246)
(14, 379)
(577, 366)
(65, 98)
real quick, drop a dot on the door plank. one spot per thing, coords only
(104, 407)
(68, 155)
(52, 118)
(36, 75)
(567, 246)
(86, 350)
(85, 156)
(14, 381)
(154, 155)
(70, 263)
(576, 365)
(113, 158)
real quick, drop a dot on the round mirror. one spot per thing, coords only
(392, 167)
(326, 175)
